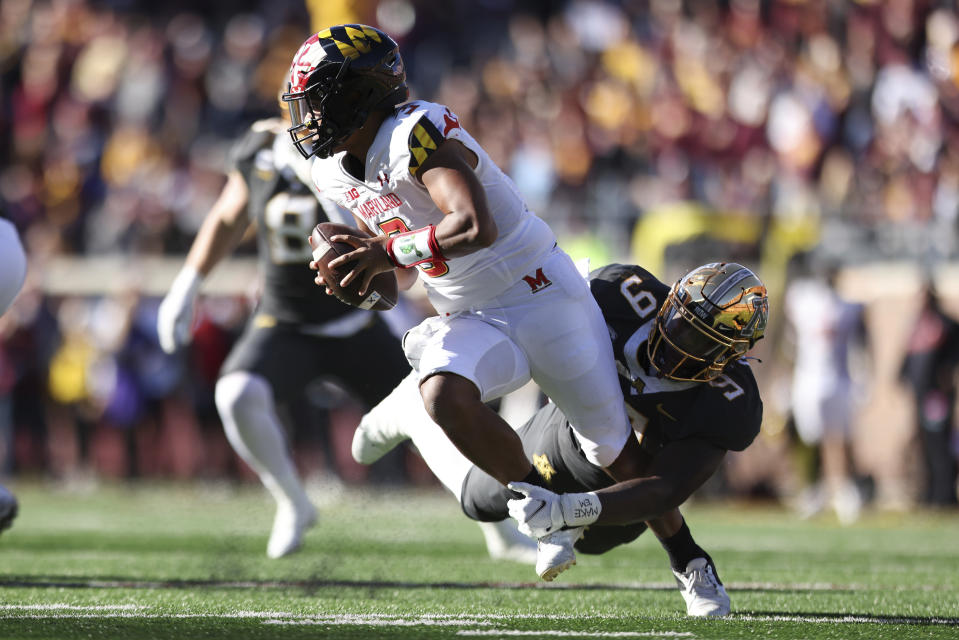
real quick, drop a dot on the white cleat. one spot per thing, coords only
(374, 439)
(289, 525)
(382, 429)
(505, 542)
(704, 594)
(847, 503)
(555, 553)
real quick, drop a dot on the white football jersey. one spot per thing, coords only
(393, 200)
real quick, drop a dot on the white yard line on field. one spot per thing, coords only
(845, 619)
(57, 606)
(581, 634)
(280, 584)
(53, 611)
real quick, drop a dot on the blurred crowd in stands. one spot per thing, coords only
(662, 132)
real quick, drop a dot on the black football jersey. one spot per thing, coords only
(285, 209)
(725, 412)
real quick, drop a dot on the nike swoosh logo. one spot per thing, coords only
(659, 407)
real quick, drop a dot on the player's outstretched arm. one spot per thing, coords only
(219, 234)
(678, 470)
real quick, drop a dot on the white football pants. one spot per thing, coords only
(548, 328)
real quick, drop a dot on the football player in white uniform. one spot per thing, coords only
(13, 271)
(511, 304)
(294, 335)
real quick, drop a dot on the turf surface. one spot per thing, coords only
(189, 562)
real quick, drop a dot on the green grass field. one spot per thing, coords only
(189, 562)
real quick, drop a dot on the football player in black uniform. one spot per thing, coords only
(296, 333)
(691, 397)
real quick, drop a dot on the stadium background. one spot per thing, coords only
(660, 132)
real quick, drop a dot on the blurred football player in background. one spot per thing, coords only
(296, 334)
(690, 394)
(510, 303)
(827, 387)
(13, 271)
(929, 368)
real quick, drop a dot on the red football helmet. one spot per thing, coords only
(338, 77)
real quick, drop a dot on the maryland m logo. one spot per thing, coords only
(537, 282)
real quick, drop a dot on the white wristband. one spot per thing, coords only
(580, 509)
(413, 248)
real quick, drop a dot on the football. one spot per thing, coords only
(383, 292)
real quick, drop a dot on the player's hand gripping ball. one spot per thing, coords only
(383, 292)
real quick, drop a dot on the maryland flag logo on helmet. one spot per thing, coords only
(348, 41)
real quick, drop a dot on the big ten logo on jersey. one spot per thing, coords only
(289, 219)
(352, 194)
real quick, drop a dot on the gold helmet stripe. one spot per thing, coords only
(727, 286)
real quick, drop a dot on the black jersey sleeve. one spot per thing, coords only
(244, 150)
(729, 410)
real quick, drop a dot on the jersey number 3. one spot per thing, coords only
(433, 269)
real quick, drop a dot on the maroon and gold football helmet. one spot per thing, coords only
(713, 315)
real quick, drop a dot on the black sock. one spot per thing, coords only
(682, 548)
(532, 477)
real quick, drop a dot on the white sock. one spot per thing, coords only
(402, 413)
(246, 407)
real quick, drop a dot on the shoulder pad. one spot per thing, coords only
(260, 134)
(423, 141)
(611, 275)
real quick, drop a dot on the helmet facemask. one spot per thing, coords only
(695, 335)
(322, 116)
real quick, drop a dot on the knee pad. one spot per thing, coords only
(470, 348)
(483, 498)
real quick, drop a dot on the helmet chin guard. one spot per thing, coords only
(338, 78)
(712, 316)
